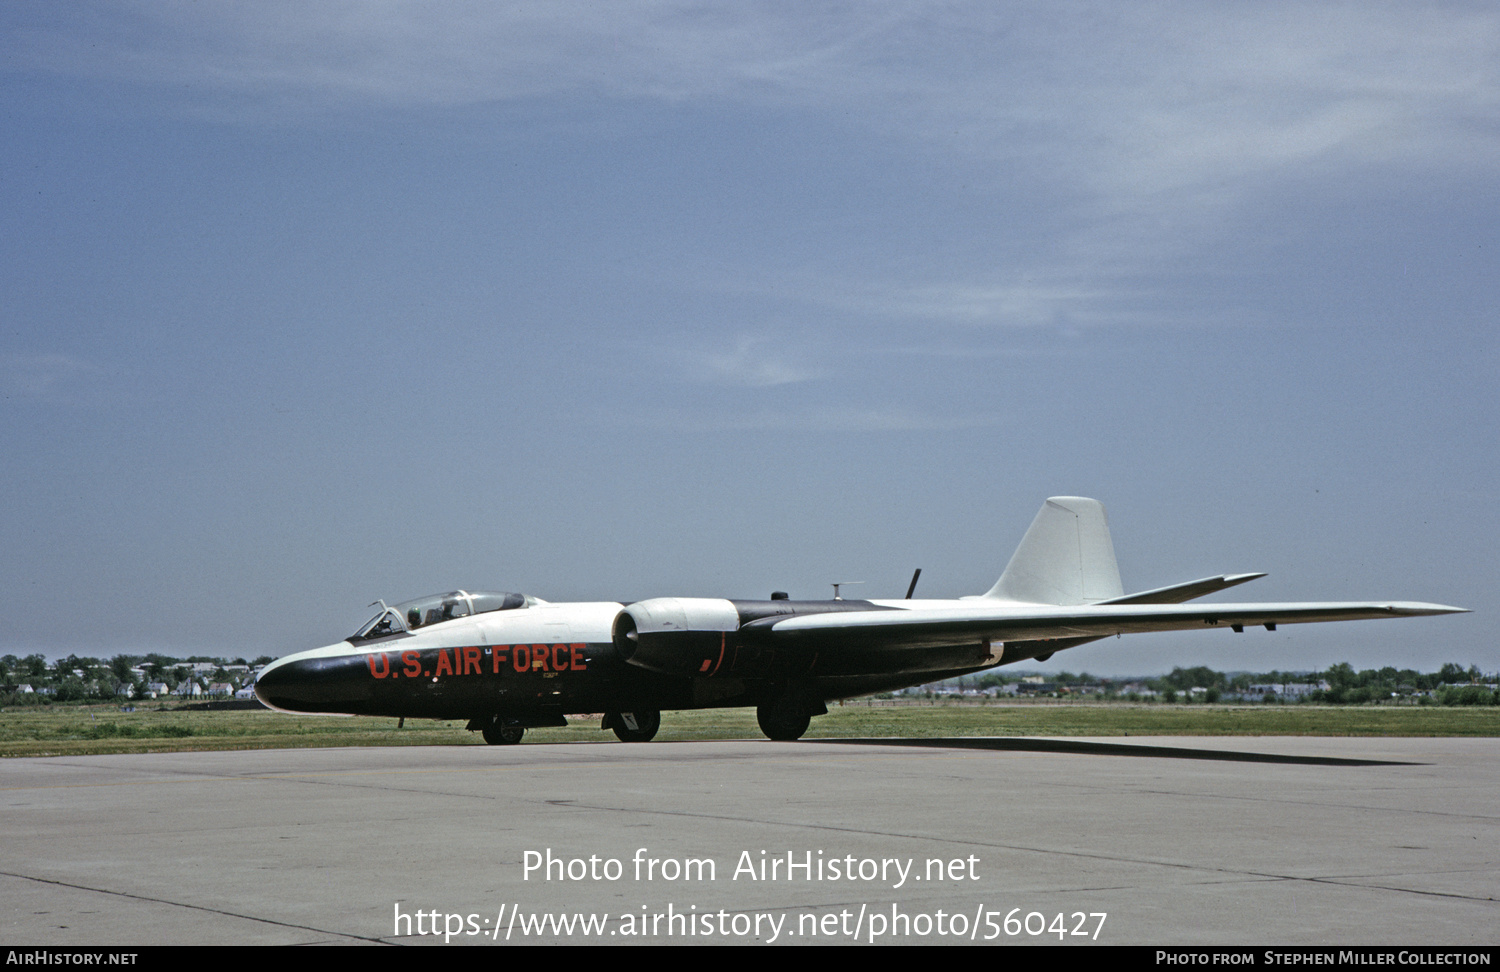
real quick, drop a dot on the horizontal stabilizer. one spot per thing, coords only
(1177, 593)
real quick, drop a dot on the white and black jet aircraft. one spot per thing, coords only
(508, 662)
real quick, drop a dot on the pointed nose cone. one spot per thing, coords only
(322, 680)
(276, 686)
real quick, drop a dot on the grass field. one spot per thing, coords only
(78, 730)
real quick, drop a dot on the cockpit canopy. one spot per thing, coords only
(435, 608)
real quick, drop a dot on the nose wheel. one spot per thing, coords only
(637, 726)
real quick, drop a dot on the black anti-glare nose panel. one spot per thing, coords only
(316, 684)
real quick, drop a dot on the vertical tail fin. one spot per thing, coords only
(1065, 558)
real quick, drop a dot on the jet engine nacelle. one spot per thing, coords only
(676, 635)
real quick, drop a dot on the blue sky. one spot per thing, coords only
(304, 307)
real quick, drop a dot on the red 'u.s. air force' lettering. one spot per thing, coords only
(544, 658)
(468, 660)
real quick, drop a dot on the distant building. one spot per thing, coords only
(1283, 692)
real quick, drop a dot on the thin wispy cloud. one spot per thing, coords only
(1155, 124)
(1061, 296)
(1168, 92)
(813, 419)
(413, 53)
(56, 378)
(752, 363)
(1015, 305)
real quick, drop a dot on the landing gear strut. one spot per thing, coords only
(637, 726)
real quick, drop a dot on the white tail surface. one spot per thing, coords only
(1065, 558)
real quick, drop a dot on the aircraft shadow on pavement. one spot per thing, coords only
(1034, 745)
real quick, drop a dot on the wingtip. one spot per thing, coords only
(1417, 607)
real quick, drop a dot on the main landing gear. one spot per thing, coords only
(637, 726)
(498, 735)
(783, 720)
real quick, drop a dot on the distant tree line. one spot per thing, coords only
(1341, 684)
(78, 678)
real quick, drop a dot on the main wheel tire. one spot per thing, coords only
(498, 735)
(638, 726)
(782, 722)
